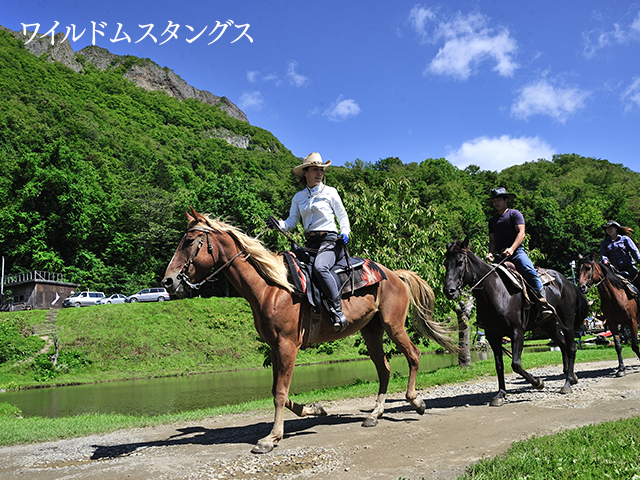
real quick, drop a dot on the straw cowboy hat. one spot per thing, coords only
(502, 192)
(312, 160)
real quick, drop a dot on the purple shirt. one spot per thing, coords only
(620, 251)
(504, 228)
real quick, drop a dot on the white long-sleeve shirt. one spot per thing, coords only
(317, 208)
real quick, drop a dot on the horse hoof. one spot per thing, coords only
(419, 405)
(497, 402)
(620, 373)
(318, 410)
(566, 389)
(262, 447)
(370, 422)
(540, 385)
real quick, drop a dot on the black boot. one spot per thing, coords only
(337, 317)
(546, 309)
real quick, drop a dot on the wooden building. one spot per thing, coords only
(36, 290)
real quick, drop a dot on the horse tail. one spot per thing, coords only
(423, 300)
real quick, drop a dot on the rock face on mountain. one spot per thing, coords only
(144, 73)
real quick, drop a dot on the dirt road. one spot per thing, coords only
(459, 428)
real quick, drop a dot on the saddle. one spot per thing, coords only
(516, 280)
(629, 288)
(353, 274)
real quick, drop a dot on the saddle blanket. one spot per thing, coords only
(365, 273)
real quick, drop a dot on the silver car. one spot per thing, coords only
(115, 298)
(82, 299)
(149, 295)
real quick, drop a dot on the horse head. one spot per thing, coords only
(456, 262)
(588, 273)
(190, 262)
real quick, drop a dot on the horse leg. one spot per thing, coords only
(372, 335)
(283, 358)
(634, 339)
(568, 349)
(517, 342)
(618, 346)
(495, 341)
(396, 330)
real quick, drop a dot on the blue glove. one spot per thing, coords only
(343, 237)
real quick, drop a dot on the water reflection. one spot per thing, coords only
(179, 394)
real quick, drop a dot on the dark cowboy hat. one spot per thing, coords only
(502, 192)
(611, 223)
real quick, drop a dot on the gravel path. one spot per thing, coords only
(459, 428)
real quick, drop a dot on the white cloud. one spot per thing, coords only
(295, 78)
(418, 17)
(468, 42)
(543, 98)
(291, 76)
(622, 32)
(251, 101)
(341, 109)
(631, 95)
(253, 76)
(499, 153)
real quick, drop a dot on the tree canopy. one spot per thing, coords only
(96, 173)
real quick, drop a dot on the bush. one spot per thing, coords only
(14, 345)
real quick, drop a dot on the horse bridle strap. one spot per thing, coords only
(493, 269)
(182, 276)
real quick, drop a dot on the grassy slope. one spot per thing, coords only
(147, 340)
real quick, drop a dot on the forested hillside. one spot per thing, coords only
(95, 175)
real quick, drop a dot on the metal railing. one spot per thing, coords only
(34, 276)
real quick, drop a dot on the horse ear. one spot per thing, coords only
(465, 243)
(593, 255)
(190, 219)
(580, 257)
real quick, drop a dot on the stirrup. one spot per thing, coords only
(340, 323)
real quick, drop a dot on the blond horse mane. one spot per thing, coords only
(269, 264)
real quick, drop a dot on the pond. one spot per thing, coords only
(178, 394)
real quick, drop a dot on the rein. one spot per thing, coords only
(493, 269)
(183, 277)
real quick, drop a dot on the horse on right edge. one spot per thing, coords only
(616, 305)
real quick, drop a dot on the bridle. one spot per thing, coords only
(183, 275)
(589, 283)
(467, 270)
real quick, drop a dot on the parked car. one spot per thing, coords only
(149, 295)
(115, 298)
(82, 299)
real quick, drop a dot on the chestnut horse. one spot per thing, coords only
(281, 316)
(502, 311)
(616, 306)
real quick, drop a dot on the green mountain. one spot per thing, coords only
(96, 171)
(101, 154)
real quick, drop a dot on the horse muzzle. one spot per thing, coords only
(174, 286)
(451, 293)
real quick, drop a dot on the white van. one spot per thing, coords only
(82, 299)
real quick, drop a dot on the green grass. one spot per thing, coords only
(609, 450)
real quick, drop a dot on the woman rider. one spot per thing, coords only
(316, 207)
(618, 250)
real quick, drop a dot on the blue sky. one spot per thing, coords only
(491, 83)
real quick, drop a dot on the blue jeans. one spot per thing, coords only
(525, 267)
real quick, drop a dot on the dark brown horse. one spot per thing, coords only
(281, 317)
(502, 311)
(616, 306)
